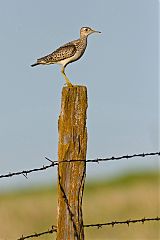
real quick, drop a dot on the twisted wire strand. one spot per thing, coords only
(97, 160)
(98, 225)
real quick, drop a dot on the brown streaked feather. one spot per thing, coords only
(61, 53)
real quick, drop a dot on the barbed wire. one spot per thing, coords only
(98, 225)
(26, 172)
(49, 231)
(97, 160)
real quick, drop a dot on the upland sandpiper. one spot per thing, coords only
(68, 53)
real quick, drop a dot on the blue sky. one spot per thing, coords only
(119, 68)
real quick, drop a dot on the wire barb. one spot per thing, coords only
(98, 160)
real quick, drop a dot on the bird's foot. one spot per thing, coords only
(69, 84)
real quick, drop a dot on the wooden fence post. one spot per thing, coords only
(71, 175)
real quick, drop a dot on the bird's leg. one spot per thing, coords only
(69, 84)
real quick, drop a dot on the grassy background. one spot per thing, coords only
(127, 197)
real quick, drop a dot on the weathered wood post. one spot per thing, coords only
(71, 175)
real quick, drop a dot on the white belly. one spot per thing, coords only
(71, 59)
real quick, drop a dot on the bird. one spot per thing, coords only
(67, 53)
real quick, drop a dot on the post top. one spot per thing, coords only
(75, 86)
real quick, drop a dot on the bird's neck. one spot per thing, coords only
(83, 37)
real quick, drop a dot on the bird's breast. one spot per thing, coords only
(80, 49)
(75, 57)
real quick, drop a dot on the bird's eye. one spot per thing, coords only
(86, 29)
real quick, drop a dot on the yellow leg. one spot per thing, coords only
(69, 84)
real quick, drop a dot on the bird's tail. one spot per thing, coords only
(35, 64)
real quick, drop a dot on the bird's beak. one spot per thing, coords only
(96, 31)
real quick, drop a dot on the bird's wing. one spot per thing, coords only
(66, 51)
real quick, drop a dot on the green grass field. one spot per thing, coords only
(128, 197)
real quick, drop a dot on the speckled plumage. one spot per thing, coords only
(67, 53)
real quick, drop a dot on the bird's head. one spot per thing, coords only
(86, 31)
